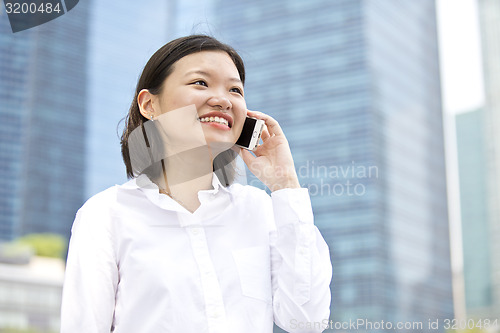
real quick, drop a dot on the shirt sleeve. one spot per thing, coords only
(301, 268)
(91, 276)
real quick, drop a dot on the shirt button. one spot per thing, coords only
(302, 251)
(195, 231)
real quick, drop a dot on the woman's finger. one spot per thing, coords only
(265, 134)
(272, 125)
(247, 156)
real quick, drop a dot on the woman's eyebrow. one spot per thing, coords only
(200, 72)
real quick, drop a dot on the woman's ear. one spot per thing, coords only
(145, 102)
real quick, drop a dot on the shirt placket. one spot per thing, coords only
(214, 305)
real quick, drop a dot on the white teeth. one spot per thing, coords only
(219, 120)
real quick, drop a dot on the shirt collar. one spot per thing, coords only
(216, 184)
(151, 190)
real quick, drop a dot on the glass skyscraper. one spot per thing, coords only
(489, 18)
(355, 85)
(475, 228)
(121, 40)
(43, 111)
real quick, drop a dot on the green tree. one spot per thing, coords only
(19, 330)
(45, 244)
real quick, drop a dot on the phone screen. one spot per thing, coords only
(247, 132)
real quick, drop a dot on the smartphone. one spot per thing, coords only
(250, 135)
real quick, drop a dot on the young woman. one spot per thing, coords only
(180, 247)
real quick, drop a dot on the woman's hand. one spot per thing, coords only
(273, 162)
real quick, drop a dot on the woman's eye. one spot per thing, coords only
(236, 90)
(200, 83)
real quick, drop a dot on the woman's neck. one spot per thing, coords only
(186, 174)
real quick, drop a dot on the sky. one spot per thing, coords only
(460, 55)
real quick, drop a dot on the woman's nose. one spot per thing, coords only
(221, 102)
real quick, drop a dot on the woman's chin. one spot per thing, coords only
(218, 147)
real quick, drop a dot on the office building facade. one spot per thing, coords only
(30, 295)
(121, 40)
(489, 18)
(475, 227)
(43, 112)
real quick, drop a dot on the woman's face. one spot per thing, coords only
(210, 81)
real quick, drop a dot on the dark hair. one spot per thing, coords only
(157, 69)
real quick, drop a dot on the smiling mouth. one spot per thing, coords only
(216, 120)
(217, 117)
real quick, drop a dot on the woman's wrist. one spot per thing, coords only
(291, 182)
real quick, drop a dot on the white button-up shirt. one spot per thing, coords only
(139, 262)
